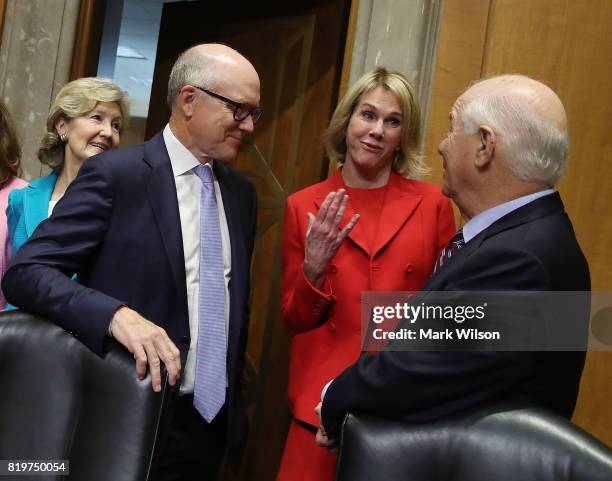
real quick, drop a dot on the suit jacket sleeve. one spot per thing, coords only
(303, 307)
(39, 279)
(424, 385)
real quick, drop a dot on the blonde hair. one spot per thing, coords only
(76, 99)
(407, 160)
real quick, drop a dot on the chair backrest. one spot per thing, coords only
(59, 400)
(501, 443)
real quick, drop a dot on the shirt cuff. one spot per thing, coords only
(324, 390)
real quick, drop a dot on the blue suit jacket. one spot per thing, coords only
(27, 208)
(532, 249)
(118, 228)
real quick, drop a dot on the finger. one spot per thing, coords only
(322, 213)
(348, 228)
(340, 214)
(141, 361)
(154, 366)
(321, 439)
(334, 206)
(171, 358)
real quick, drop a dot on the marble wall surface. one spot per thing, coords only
(35, 59)
(401, 35)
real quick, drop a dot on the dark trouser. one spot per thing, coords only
(193, 449)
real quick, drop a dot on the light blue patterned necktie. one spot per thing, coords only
(210, 375)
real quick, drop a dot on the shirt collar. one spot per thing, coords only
(181, 159)
(483, 220)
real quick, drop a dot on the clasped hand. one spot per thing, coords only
(321, 437)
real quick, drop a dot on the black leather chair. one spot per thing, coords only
(58, 400)
(501, 443)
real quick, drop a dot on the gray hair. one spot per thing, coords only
(190, 68)
(535, 147)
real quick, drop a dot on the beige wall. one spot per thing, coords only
(400, 35)
(35, 58)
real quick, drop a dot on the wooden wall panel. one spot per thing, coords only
(2, 14)
(463, 28)
(561, 43)
(88, 38)
(566, 44)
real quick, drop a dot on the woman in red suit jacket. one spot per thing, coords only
(387, 237)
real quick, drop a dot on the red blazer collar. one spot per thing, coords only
(400, 203)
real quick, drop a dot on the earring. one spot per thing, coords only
(63, 137)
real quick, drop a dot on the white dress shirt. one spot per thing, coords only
(188, 191)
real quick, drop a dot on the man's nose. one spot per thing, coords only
(247, 124)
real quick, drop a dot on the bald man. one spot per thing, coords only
(160, 236)
(505, 151)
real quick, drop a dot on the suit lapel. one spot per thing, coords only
(539, 208)
(231, 207)
(161, 191)
(36, 200)
(398, 207)
(542, 207)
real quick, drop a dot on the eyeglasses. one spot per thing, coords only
(241, 111)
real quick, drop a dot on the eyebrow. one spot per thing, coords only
(365, 104)
(100, 111)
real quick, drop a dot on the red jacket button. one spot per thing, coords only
(333, 269)
(408, 268)
(332, 327)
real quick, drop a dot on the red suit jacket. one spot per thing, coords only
(416, 223)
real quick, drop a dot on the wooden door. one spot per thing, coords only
(567, 45)
(297, 49)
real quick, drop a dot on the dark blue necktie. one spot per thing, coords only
(456, 243)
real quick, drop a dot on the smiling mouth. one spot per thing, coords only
(99, 145)
(237, 139)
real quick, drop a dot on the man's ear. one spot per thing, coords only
(186, 100)
(486, 146)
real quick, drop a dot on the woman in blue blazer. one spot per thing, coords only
(86, 118)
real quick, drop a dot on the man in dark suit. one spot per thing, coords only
(505, 150)
(160, 236)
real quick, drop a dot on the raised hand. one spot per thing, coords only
(324, 236)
